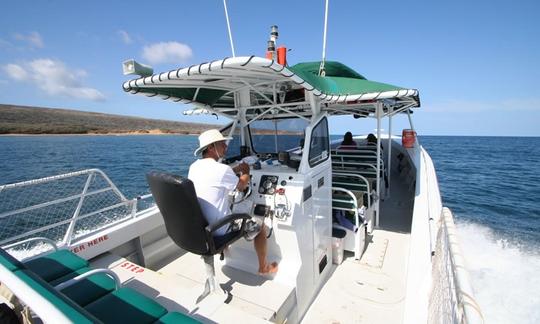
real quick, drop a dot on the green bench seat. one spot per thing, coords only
(9, 262)
(176, 318)
(125, 305)
(91, 300)
(88, 289)
(343, 202)
(69, 309)
(56, 264)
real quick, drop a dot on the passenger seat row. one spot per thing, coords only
(94, 299)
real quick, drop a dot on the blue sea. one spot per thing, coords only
(492, 185)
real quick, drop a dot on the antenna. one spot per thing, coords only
(322, 72)
(229, 27)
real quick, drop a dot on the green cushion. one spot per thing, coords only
(349, 186)
(344, 205)
(9, 261)
(125, 305)
(87, 290)
(57, 264)
(174, 318)
(72, 311)
(342, 200)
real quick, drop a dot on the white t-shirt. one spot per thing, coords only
(213, 182)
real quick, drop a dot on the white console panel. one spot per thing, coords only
(276, 195)
(296, 207)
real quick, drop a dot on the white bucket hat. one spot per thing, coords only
(208, 137)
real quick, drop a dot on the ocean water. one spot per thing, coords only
(492, 185)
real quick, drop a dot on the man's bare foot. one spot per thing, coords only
(269, 269)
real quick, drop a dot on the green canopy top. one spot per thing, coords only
(339, 79)
(214, 85)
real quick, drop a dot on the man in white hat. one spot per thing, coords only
(214, 181)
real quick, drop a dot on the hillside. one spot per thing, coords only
(35, 120)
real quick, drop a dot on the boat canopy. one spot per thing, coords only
(275, 91)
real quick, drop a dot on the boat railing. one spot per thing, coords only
(452, 298)
(62, 209)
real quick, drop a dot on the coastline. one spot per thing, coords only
(99, 134)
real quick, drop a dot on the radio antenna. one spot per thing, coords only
(322, 72)
(229, 27)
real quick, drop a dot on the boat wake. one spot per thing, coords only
(504, 275)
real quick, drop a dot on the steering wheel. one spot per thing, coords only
(240, 196)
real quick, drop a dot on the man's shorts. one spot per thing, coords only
(253, 227)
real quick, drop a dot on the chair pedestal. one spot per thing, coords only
(211, 285)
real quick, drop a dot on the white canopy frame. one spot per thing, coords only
(266, 79)
(246, 81)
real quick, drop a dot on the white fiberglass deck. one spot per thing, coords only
(177, 285)
(372, 289)
(369, 290)
(253, 294)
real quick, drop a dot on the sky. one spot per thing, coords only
(475, 63)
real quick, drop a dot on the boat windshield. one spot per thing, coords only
(234, 146)
(273, 136)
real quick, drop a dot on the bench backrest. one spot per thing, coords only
(49, 304)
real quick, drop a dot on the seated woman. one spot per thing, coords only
(371, 139)
(348, 143)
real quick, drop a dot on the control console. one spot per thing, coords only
(267, 184)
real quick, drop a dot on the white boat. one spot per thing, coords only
(401, 264)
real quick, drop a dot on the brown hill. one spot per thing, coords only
(35, 120)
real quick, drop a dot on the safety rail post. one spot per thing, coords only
(389, 151)
(69, 232)
(378, 112)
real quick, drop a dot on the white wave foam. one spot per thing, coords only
(504, 275)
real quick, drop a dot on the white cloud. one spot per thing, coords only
(125, 37)
(167, 52)
(54, 78)
(16, 72)
(33, 39)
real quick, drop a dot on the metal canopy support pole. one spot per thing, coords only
(389, 164)
(244, 100)
(410, 119)
(315, 105)
(275, 135)
(231, 132)
(379, 114)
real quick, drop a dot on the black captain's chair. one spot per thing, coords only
(186, 225)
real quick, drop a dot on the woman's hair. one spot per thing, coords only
(348, 139)
(372, 139)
